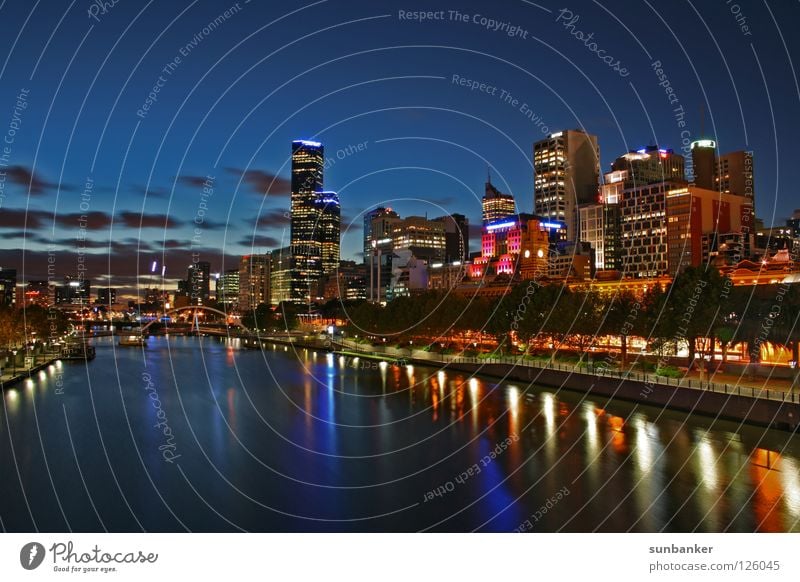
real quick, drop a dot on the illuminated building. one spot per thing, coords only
(347, 283)
(446, 276)
(566, 168)
(456, 237)
(649, 165)
(254, 281)
(280, 275)
(8, 286)
(36, 293)
(199, 280)
(308, 161)
(696, 215)
(704, 160)
(228, 287)
(593, 231)
(381, 229)
(106, 295)
(74, 291)
(643, 225)
(496, 205)
(330, 228)
(535, 248)
(425, 238)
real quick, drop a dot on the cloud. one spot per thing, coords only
(30, 180)
(90, 220)
(195, 181)
(272, 218)
(261, 182)
(18, 218)
(260, 240)
(145, 220)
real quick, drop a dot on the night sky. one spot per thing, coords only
(250, 80)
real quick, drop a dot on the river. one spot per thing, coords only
(195, 434)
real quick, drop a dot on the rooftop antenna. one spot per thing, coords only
(488, 174)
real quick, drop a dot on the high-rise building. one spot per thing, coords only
(369, 233)
(793, 224)
(644, 252)
(228, 287)
(74, 291)
(734, 174)
(254, 281)
(330, 225)
(424, 238)
(456, 237)
(308, 160)
(700, 221)
(496, 205)
(593, 231)
(280, 275)
(704, 160)
(199, 281)
(649, 165)
(566, 167)
(8, 286)
(106, 295)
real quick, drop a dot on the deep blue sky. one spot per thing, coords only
(347, 72)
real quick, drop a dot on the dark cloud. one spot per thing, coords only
(19, 218)
(90, 220)
(29, 179)
(273, 218)
(265, 183)
(145, 220)
(260, 240)
(14, 234)
(195, 181)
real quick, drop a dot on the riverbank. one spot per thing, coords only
(16, 376)
(777, 409)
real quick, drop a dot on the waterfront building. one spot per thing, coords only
(446, 276)
(456, 237)
(280, 275)
(330, 232)
(254, 281)
(74, 291)
(199, 280)
(566, 168)
(308, 160)
(106, 295)
(376, 218)
(35, 293)
(228, 287)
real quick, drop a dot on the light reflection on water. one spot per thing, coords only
(331, 437)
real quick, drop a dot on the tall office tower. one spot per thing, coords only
(381, 225)
(566, 168)
(228, 287)
(704, 159)
(644, 250)
(308, 159)
(106, 295)
(8, 286)
(593, 231)
(699, 220)
(199, 279)
(650, 165)
(496, 205)
(734, 174)
(330, 226)
(74, 291)
(456, 237)
(280, 275)
(254, 281)
(424, 238)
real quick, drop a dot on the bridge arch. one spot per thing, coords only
(195, 308)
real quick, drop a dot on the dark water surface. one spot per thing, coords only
(285, 441)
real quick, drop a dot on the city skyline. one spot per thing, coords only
(433, 111)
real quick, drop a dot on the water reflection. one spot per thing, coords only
(370, 436)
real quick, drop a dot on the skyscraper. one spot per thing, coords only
(649, 165)
(308, 159)
(496, 205)
(330, 231)
(456, 235)
(374, 230)
(566, 167)
(228, 288)
(704, 159)
(8, 286)
(734, 174)
(254, 281)
(199, 280)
